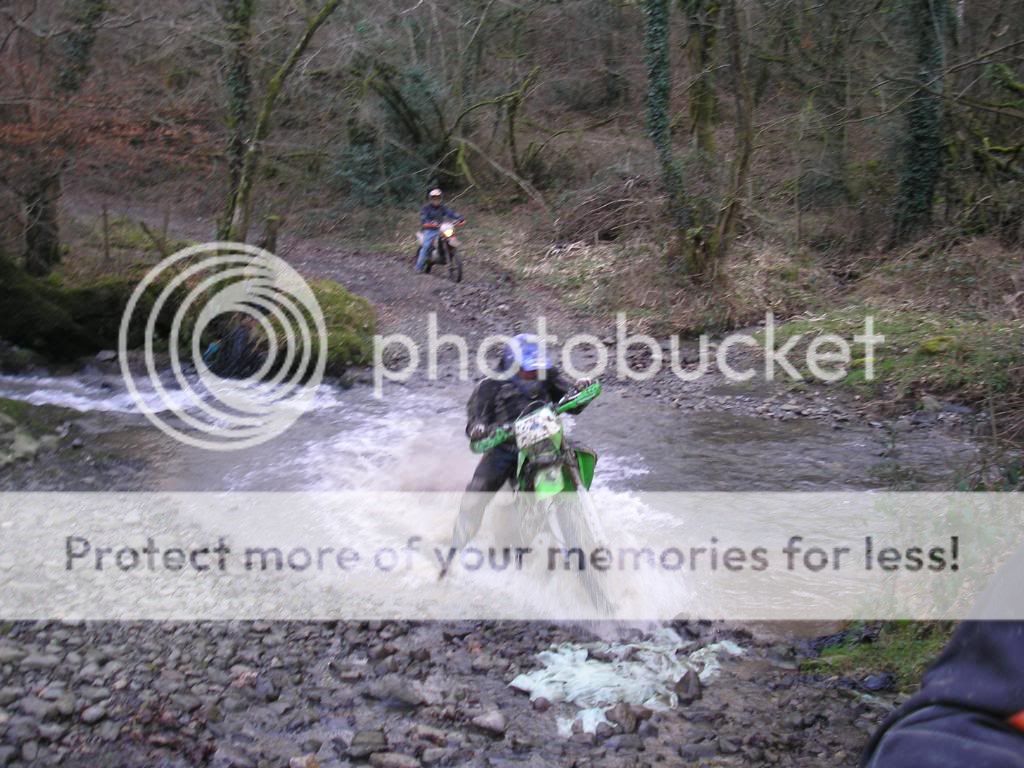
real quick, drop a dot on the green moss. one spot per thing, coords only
(14, 411)
(904, 649)
(36, 318)
(937, 345)
(967, 359)
(64, 322)
(351, 323)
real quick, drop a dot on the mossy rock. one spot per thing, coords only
(937, 345)
(35, 318)
(351, 323)
(64, 323)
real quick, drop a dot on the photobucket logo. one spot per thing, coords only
(826, 357)
(259, 306)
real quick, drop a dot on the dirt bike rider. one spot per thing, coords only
(500, 400)
(431, 216)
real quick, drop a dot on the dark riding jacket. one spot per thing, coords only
(497, 401)
(432, 216)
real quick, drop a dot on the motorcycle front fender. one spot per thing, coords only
(586, 460)
(549, 482)
(546, 482)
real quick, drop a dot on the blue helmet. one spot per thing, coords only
(524, 352)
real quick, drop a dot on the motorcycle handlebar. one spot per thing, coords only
(498, 436)
(504, 432)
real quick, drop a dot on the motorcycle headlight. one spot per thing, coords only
(447, 230)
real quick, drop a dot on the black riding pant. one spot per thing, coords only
(495, 469)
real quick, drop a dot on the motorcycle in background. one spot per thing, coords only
(445, 251)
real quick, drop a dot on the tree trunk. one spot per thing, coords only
(241, 207)
(925, 22)
(42, 234)
(726, 225)
(702, 19)
(86, 16)
(659, 127)
(237, 15)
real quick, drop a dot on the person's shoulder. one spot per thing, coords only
(490, 385)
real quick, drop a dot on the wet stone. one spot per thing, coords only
(39, 661)
(434, 755)
(396, 691)
(623, 716)
(698, 751)
(11, 655)
(393, 760)
(493, 722)
(688, 687)
(366, 742)
(21, 729)
(186, 702)
(624, 741)
(39, 709)
(428, 733)
(52, 732)
(29, 751)
(109, 731)
(727, 746)
(92, 715)
(10, 694)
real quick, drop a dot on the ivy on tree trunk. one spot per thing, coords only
(659, 127)
(925, 23)
(237, 16)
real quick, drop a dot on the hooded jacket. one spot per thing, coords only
(970, 709)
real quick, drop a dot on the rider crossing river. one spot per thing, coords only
(501, 400)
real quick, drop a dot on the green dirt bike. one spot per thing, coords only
(552, 483)
(445, 251)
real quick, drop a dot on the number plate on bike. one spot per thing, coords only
(538, 426)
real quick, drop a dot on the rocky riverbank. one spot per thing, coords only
(392, 695)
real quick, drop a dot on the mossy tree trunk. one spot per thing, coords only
(41, 197)
(237, 16)
(925, 23)
(659, 126)
(86, 16)
(42, 233)
(240, 210)
(725, 226)
(702, 20)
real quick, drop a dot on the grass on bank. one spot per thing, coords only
(922, 353)
(904, 649)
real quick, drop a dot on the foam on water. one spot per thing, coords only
(70, 392)
(597, 676)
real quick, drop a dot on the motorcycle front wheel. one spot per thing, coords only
(573, 517)
(454, 266)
